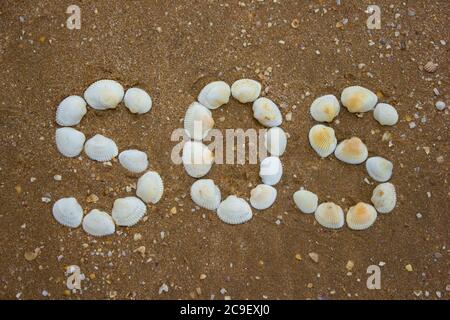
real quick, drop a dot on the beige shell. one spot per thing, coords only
(150, 187)
(322, 139)
(358, 99)
(246, 90)
(306, 201)
(330, 215)
(430, 67)
(197, 159)
(198, 121)
(379, 169)
(215, 94)
(275, 141)
(384, 197)
(361, 216)
(267, 112)
(262, 196)
(325, 108)
(352, 151)
(385, 114)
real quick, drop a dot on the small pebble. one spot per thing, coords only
(163, 288)
(440, 105)
(57, 177)
(409, 268)
(314, 257)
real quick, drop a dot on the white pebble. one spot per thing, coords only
(440, 105)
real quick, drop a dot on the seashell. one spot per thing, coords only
(205, 194)
(150, 187)
(104, 94)
(70, 111)
(262, 196)
(322, 139)
(379, 169)
(68, 212)
(361, 216)
(100, 148)
(134, 160)
(325, 108)
(384, 197)
(198, 121)
(214, 94)
(271, 170)
(358, 99)
(430, 67)
(246, 90)
(267, 112)
(330, 215)
(69, 141)
(234, 210)
(98, 223)
(197, 159)
(352, 151)
(128, 211)
(306, 201)
(275, 141)
(385, 114)
(137, 100)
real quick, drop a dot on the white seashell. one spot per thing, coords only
(379, 169)
(215, 94)
(330, 215)
(198, 121)
(246, 90)
(322, 139)
(205, 194)
(325, 108)
(150, 187)
(275, 141)
(430, 67)
(134, 160)
(385, 114)
(100, 148)
(271, 170)
(104, 94)
(69, 141)
(306, 201)
(128, 211)
(68, 212)
(267, 112)
(361, 216)
(70, 111)
(234, 210)
(262, 196)
(384, 197)
(98, 223)
(352, 151)
(197, 159)
(137, 100)
(358, 99)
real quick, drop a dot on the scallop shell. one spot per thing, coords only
(137, 100)
(198, 121)
(215, 94)
(330, 215)
(358, 99)
(306, 201)
(100, 148)
(325, 108)
(128, 211)
(379, 169)
(205, 194)
(352, 151)
(104, 94)
(385, 114)
(246, 90)
(98, 223)
(322, 139)
(430, 67)
(69, 141)
(267, 112)
(70, 111)
(384, 197)
(234, 210)
(197, 159)
(68, 212)
(150, 187)
(271, 170)
(262, 196)
(275, 141)
(361, 216)
(134, 160)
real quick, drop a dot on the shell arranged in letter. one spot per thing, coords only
(306, 201)
(69, 141)
(234, 210)
(246, 90)
(330, 215)
(128, 211)
(358, 99)
(205, 194)
(70, 111)
(384, 197)
(262, 196)
(322, 139)
(325, 108)
(104, 94)
(352, 151)
(98, 223)
(150, 187)
(100, 148)
(215, 94)
(68, 212)
(361, 216)
(134, 160)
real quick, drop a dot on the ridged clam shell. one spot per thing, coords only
(134, 160)
(358, 99)
(263, 196)
(384, 197)
(275, 141)
(361, 216)
(70, 111)
(206, 194)
(69, 141)
(271, 170)
(137, 101)
(352, 151)
(246, 90)
(128, 211)
(198, 121)
(150, 187)
(68, 212)
(104, 94)
(100, 148)
(98, 223)
(430, 67)
(234, 210)
(306, 201)
(379, 169)
(330, 215)
(385, 114)
(322, 139)
(197, 159)
(267, 112)
(214, 94)
(325, 108)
